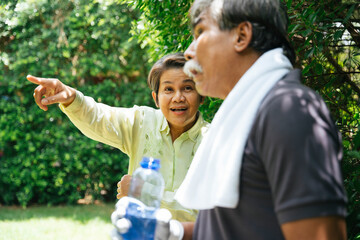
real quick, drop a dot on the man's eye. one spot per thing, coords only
(198, 32)
(168, 89)
(189, 88)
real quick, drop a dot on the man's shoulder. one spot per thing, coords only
(290, 103)
(289, 91)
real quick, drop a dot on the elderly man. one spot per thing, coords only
(269, 167)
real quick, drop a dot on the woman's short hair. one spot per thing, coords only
(170, 61)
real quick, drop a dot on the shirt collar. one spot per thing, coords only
(193, 132)
(164, 126)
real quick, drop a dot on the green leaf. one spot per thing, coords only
(350, 12)
(318, 69)
(338, 34)
(357, 140)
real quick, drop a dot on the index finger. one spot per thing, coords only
(33, 79)
(41, 81)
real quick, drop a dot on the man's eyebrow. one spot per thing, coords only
(196, 22)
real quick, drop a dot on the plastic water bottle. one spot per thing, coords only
(146, 190)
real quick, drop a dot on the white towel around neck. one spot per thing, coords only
(213, 177)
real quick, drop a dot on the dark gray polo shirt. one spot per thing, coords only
(290, 171)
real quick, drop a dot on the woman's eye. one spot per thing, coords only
(168, 89)
(189, 88)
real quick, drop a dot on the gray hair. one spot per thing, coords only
(268, 18)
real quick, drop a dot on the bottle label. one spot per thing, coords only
(143, 221)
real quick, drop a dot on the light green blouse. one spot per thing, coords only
(141, 131)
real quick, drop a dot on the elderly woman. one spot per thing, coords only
(171, 134)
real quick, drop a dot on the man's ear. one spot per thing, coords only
(155, 98)
(243, 36)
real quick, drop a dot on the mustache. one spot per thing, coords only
(190, 66)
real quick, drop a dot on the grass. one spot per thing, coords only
(56, 223)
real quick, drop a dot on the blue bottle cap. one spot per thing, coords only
(150, 163)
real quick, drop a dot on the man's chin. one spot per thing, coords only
(199, 88)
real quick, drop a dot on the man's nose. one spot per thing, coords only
(190, 51)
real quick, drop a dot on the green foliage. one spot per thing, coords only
(86, 44)
(209, 108)
(163, 26)
(351, 169)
